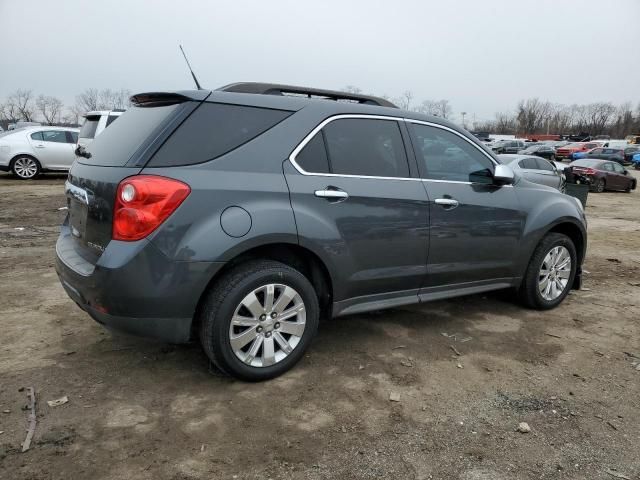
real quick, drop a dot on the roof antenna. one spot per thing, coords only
(190, 69)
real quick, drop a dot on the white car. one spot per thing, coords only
(94, 123)
(28, 151)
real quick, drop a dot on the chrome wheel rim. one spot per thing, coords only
(600, 186)
(554, 273)
(267, 325)
(25, 167)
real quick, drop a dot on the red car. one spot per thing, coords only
(568, 150)
(602, 175)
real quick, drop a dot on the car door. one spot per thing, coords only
(610, 177)
(356, 203)
(547, 173)
(475, 225)
(52, 149)
(622, 181)
(529, 169)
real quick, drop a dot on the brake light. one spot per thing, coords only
(586, 171)
(143, 202)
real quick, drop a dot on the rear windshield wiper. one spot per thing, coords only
(82, 152)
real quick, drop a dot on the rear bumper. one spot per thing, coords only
(134, 288)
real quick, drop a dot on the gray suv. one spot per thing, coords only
(242, 216)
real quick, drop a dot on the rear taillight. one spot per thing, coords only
(143, 202)
(586, 171)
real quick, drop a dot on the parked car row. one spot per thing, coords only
(29, 150)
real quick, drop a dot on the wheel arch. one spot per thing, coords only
(296, 256)
(24, 154)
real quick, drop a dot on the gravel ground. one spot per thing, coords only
(143, 410)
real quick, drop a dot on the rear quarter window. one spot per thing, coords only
(213, 130)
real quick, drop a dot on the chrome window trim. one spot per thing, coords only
(443, 127)
(326, 121)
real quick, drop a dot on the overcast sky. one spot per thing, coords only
(481, 55)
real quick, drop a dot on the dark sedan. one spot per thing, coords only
(601, 175)
(540, 150)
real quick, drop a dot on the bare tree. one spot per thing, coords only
(533, 115)
(428, 107)
(50, 108)
(404, 101)
(352, 89)
(113, 99)
(87, 100)
(21, 102)
(9, 111)
(599, 115)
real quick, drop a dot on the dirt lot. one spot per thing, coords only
(143, 410)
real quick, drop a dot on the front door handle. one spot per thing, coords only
(39, 146)
(331, 194)
(447, 203)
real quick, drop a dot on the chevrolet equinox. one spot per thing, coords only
(241, 216)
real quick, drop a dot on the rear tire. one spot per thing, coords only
(533, 290)
(600, 185)
(270, 349)
(25, 167)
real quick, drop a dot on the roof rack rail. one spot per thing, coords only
(277, 89)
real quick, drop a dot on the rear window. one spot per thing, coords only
(116, 145)
(213, 130)
(89, 127)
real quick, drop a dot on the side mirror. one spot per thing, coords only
(503, 175)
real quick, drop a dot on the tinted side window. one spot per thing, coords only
(544, 165)
(608, 167)
(111, 119)
(617, 168)
(529, 163)
(213, 130)
(56, 136)
(366, 147)
(36, 136)
(313, 157)
(72, 137)
(443, 155)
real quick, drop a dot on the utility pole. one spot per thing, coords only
(463, 124)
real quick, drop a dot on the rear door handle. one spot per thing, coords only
(447, 202)
(39, 146)
(331, 194)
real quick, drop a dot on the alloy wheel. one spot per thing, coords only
(267, 325)
(554, 274)
(25, 167)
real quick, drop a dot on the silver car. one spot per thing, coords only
(535, 169)
(28, 151)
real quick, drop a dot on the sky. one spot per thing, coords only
(481, 55)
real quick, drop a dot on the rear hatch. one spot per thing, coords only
(120, 151)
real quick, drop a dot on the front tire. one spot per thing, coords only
(550, 273)
(25, 167)
(258, 320)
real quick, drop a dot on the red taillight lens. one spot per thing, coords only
(143, 202)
